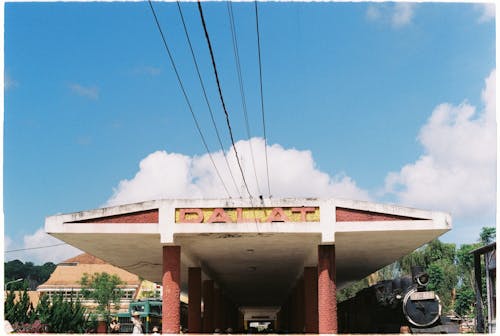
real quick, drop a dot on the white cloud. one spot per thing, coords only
(292, 173)
(91, 92)
(487, 12)
(147, 70)
(457, 172)
(31, 252)
(398, 14)
(403, 13)
(9, 83)
(373, 13)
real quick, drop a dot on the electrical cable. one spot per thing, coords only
(262, 97)
(186, 96)
(36, 248)
(207, 37)
(206, 98)
(242, 90)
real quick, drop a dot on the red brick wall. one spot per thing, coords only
(353, 215)
(147, 216)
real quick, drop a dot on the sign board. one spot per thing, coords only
(247, 215)
(417, 296)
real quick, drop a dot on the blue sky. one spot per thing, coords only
(389, 102)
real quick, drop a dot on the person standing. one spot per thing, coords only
(114, 326)
(136, 320)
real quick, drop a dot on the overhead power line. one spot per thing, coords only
(35, 248)
(206, 98)
(242, 90)
(207, 37)
(262, 97)
(186, 96)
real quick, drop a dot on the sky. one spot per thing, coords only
(385, 102)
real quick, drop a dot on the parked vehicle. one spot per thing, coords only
(149, 311)
(390, 306)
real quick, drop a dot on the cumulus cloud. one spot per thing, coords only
(29, 249)
(487, 12)
(458, 168)
(398, 14)
(91, 92)
(147, 70)
(403, 13)
(292, 173)
(8, 82)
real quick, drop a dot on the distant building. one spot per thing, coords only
(67, 276)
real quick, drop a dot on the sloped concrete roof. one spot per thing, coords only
(69, 273)
(255, 253)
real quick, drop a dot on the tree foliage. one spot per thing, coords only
(66, 316)
(32, 275)
(104, 289)
(487, 235)
(58, 316)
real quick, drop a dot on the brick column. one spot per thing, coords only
(241, 323)
(208, 306)
(300, 306)
(327, 290)
(171, 319)
(293, 311)
(217, 309)
(194, 295)
(311, 299)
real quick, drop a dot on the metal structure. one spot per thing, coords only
(392, 305)
(489, 252)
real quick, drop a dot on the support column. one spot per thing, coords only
(293, 312)
(327, 290)
(300, 305)
(194, 295)
(171, 319)
(241, 323)
(217, 310)
(208, 306)
(311, 299)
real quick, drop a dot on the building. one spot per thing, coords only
(275, 261)
(490, 269)
(67, 276)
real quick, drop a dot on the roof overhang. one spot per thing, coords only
(254, 252)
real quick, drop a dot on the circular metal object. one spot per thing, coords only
(421, 313)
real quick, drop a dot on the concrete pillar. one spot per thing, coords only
(217, 309)
(327, 290)
(300, 306)
(284, 315)
(295, 328)
(194, 295)
(208, 306)
(171, 319)
(311, 299)
(241, 322)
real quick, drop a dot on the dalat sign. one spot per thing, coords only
(246, 215)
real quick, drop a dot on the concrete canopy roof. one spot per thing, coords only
(255, 254)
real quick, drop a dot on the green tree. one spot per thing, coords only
(10, 307)
(464, 303)
(443, 279)
(43, 309)
(104, 289)
(487, 235)
(66, 316)
(33, 275)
